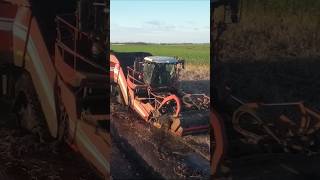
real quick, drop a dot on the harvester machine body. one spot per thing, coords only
(151, 87)
(68, 80)
(82, 82)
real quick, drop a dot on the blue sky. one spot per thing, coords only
(160, 21)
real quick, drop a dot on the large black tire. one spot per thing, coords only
(28, 109)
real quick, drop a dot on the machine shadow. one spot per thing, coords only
(276, 80)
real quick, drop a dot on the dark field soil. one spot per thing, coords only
(276, 80)
(121, 166)
(23, 157)
(277, 166)
(157, 152)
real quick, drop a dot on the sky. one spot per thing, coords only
(160, 21)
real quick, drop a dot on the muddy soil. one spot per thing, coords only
(196, 79)
(196, 86)
(123, 166)
(23, 157)
(160, 153)
(199, 142)
(276, 166)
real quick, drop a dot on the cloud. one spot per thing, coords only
(156, 31)
(153, 22)
(160, 36)
(169, 27)
(190, 22)
(158, 26)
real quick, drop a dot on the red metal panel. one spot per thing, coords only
(169, 98)
(18, 2)
(6, 41)
(68, 74)
(7, 10)
(44, 55)
(217, 154)
(7, 14)
(100, 144)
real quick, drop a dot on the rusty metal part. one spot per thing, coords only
(220, 148)
(291, 133)
(200, 101)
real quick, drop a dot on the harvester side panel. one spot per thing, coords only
(82, 82)
(31, 53)
(69, 101)
(84, 136)
(70, 76)
(7, 15)
(117, 76)
(88, 141)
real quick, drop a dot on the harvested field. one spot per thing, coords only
(122, 165)
(22, 156)
(161, 154)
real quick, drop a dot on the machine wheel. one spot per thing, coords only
(28, 109)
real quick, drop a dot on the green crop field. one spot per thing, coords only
(196, 54)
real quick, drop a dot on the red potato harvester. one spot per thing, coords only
(151, 88)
